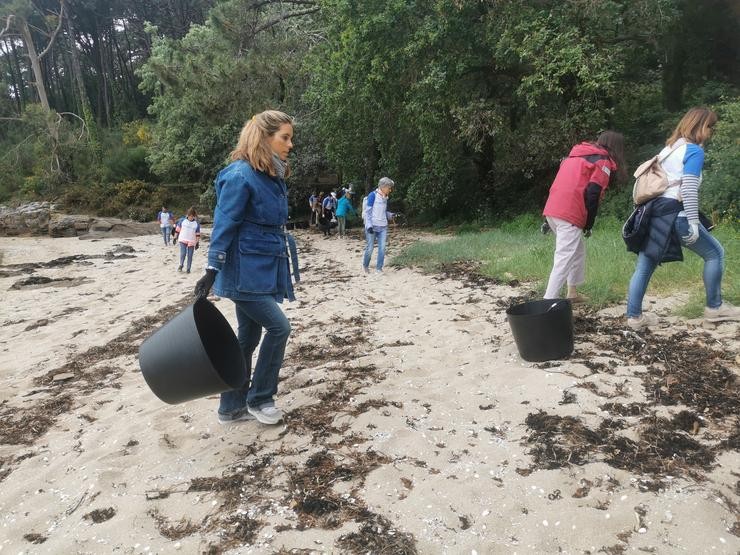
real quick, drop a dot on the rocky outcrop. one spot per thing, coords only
(113, 227)
(40, 218)
(28, 219)
(68, 225)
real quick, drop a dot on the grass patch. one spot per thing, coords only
(517, 250)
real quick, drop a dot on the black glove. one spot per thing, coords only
(204, 284)
(370, 229)
(545, 228)
(587, 233)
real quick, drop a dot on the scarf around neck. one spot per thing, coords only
(279, 165)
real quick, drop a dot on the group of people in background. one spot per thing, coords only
(331, 211)
(184, 232)
(671, 219)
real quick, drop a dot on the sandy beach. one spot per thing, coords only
(412, 424)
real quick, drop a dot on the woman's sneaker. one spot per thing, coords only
(723, 313)
(267, 414)
(238, 415)
(643, 321)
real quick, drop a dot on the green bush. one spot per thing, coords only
(720, 193)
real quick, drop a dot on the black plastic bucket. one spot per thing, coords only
(194, 355)
(543, 330)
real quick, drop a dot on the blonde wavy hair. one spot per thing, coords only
(695, 126)
(253, 147)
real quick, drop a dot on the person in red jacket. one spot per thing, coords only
(572, 205)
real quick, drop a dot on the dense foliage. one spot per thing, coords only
(468, 104)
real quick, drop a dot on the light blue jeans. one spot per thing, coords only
(705, 246)
(186, 251)
(380, 234)
(166, 234)
(251, 317)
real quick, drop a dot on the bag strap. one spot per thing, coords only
(661, 160)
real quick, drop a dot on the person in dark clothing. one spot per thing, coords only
(327, 221)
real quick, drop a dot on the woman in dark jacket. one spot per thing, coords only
(674, 222)
(248, 259)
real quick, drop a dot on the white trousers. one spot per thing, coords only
(569, 264)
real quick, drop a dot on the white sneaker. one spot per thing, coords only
(643, 321)
(722, 313)
(239, 415)
(266, 415)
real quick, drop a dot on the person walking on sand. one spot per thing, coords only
(250, 257)
(674, 222)
(188, 237)
(344, 206)
(376, 216)
(311, 204)
(572, 205)
(330, 203)
(165, 219)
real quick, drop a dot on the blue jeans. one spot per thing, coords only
(185, 250)
(166, 234)
(251, 317)
(380, 234)
(705, 246)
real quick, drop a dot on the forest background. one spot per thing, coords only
(115, 107)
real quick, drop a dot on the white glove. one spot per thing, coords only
(693, 235)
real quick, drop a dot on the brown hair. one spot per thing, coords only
(191, 212)
(695, 126)
(613, 142)
(252, 146)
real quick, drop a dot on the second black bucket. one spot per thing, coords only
(194, 355)
(543, 330)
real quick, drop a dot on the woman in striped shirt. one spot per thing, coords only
(675, 218)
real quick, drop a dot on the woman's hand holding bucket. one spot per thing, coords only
(204, 284)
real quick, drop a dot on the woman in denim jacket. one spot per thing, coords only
(249, 259)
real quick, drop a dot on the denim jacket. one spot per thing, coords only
(249, 246)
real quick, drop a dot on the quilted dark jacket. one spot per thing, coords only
(662, 243)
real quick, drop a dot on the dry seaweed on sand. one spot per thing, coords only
(173, 531)
(662, 447)
(559, 441)
(681, 370)
(100, 515)
(469, 273)
(311, 494)
(379, 537)
(22, 426)
(34, 538)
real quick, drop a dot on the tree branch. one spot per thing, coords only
(8, 22)
(82, 121)
(283, 17)
(258, 5)
(56, 31)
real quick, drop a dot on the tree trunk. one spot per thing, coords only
(24, 96)
(35, 64)
(79, 83)
(15, 84)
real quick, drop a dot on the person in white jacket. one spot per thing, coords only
(375, 216)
